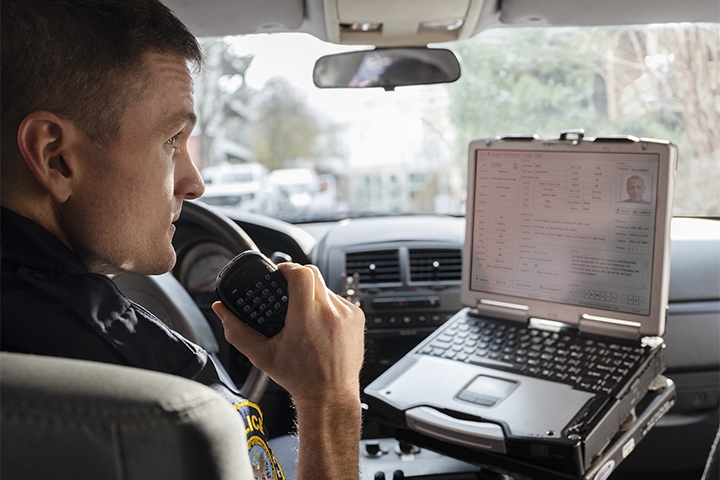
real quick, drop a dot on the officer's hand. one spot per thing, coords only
(317, 356)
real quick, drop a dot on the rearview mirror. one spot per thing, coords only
(387, 68)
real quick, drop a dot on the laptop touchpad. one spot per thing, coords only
(487, 391)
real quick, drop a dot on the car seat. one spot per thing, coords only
(62, 418)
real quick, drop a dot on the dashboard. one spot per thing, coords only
(408, 269)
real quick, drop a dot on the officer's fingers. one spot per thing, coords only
(242, 336)
(339, 305)
(301, 291)
(319, 280)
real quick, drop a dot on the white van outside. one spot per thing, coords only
(306, 190)
(245, 186)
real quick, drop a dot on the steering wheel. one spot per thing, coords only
(191, 316)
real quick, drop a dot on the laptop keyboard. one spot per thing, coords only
(587, 364)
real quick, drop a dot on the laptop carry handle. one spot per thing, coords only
(477, 435)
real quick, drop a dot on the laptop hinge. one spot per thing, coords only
(550, 325)
(506, 311)
(609, 327)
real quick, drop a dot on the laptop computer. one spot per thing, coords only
(565, 282)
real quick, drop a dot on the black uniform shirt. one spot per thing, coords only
(51, 305)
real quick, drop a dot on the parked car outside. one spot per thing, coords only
(245, 186)
(306, 191)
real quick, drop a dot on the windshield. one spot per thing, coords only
(368, 151)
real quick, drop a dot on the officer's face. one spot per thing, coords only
(131, 192)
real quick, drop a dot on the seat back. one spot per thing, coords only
(74, 419)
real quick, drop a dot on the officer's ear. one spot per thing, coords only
(47, 143)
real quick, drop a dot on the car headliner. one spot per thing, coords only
(328, 19)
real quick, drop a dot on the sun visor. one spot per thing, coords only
(212, 18)
(590, 12)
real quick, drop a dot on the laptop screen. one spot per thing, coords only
(575, 228)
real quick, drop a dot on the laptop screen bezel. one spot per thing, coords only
(652, 324)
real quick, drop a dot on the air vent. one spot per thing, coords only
(435, 265)
(382, 266)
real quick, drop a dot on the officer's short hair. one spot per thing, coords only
(83, 59)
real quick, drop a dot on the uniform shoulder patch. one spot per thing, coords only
(262, 459)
